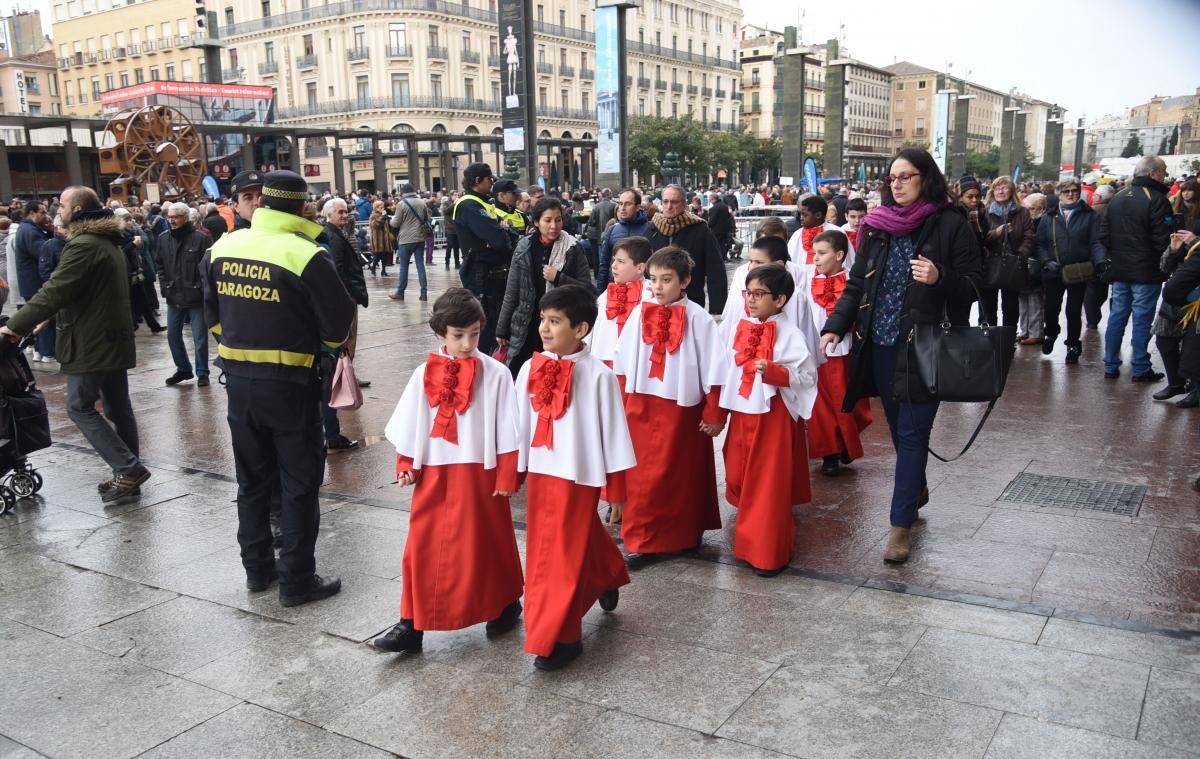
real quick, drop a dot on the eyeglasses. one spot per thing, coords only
(1071, 191)
(901, 178)
(756, 294)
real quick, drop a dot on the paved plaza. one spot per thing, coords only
(1020, 628)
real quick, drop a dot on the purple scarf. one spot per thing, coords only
(902, 221)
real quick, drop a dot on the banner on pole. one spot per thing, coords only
(939, 145)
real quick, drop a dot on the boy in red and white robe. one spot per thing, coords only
(573, 441)
(621, 297)
(455, 432)
(769, 387)
(669, 358)
(833, 434)
(812, 213)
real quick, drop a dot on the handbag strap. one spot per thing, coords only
(967, 447)
(1054, 238)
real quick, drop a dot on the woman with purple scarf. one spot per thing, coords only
(917, 256)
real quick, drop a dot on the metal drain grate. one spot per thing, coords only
(1072, 493)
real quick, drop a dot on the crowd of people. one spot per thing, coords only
(595, 343)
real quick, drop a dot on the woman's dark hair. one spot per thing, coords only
(456, 307)
(547, 203)
(933, 182)
(775, 248)
(834, 237)
(576, 301)
(637, 247)
(1192, 185)
(777, 279)
(674, 258)
(815, 204)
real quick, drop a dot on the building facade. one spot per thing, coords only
(858, 117)
(1110, 143)
(103, 45)
(29, 85)
(21, 34)
(761, 54)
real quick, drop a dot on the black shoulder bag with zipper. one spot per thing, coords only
(1006, 270)
(1071, 274)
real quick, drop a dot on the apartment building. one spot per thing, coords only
(106, 44)
(764, 56)
(28, 85)
(858, 123)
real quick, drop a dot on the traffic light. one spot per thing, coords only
(201, 19)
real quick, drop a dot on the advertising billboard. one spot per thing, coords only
(608, 95)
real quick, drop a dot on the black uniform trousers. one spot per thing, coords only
(278, 449)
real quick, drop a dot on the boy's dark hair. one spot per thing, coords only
(815, 203)
(456, 307)
(775, 248)
(674, 258)
(636, 246)
(777, 279)
(856, 204)
(772, 226)
(576, 301)
(834, 237)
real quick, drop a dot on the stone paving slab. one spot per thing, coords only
(1172, 704)
(619, 735)
(933, 612)
(77, 602)
(1025, 738)
(1154, 650)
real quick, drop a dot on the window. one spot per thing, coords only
(308, 45)
(562, 56)
(562, 17)
(541, 13)
(266, 8)
(400, 90)
(921, 104)
(541, 53)
(187, 71)
(233, 58)
(466, 41)
(583, 22)
(360, 37)
(899, 86)
(124, 78)
(899, 106)
(183, 27)
(83, 91)
(541, 97)
(170, 69)
(495, 92)
(397, 34)
(229, 16)
(310, 93)
(362, 89)
(108, 82)
(583, 60)
(469, 88)
(435, 85)
(641, 106)
(566, 98)
(138, 76)
(754, 77)
(96, 89)
(587, 101)
(166, 30)
(434, 37)
(921, 84)
(269, 50)
(493, 49)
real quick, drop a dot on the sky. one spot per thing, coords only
(1094, 58)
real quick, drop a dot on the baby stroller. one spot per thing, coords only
(24, 424)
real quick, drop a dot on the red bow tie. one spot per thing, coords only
(806, 239)
(662, 329)
(448, 384)
(752, 342)
(827, 290)
(622, 298)
(550, 388)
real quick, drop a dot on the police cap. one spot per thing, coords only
(477, 171)
(245, 180)
(505, 185)
(284, 191)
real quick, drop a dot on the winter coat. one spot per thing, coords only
(411, 211)
(1136, 230)
(1019, 234)
(29, 243)
(598, 220)
(721, 224)
(349, 263)
(1074, 242)
(362, 207)
(50, 255)
(708, 263)
(520, 296)
(638, 226)
(381, 238)
(177, 258)
(944, 238)
(88, 296)
(1183, 281)
(448, 217)
(215, 224)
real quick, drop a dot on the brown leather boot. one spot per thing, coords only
(897, 546)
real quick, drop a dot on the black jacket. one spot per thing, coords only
(708, 264)
(349, 263)
(1059, 244)
(215, 224)
(178, 259)
(485, 244)
(26, 248)
(1136, 230)
(945, 239)
(1186, 279)
(598, 220)
(720, 222)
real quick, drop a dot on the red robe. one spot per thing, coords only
(831, 430)
(461, 565)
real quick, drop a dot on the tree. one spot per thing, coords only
(767, 152)
(1133, 147)
(1174, 142)
(1196, 166)
(986, 164)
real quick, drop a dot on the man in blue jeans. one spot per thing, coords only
(409, 222)
(1136, 230)
(177, 258)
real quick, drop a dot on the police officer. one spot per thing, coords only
(487, 247)
(508, 195)
(246, 191)
(273, 300)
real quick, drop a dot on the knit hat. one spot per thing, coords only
(284, 191)
(969, 182)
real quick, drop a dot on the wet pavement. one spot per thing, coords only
(1016, 629)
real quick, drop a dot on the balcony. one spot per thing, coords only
(150, 46)
(399, 51)
(470, 57)
(135, 50)
(633, 46)
(493, 61)
(437, 53)
(567, 72)
(814, 84)
(232, 74)
(90, 59)
(306, 61)
(33, 88)
(752, 108)
(165, 43)
(919, 132)
(117, 52)
(693, 89)
(575, 114)
(676, 87)
(334, 107)
(102, 55)
(270, 68)
(706, 91)
(557, 30)
(358, 54)
(545, 68)
(587, 74)
(814, 110)
(721, 93)
(660, 84)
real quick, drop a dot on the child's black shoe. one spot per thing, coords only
(769, 572)
(401, 639)
(609, 599)
(563, 654)
(506, 621)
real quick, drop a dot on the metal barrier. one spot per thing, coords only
(748, 219)
(439, 233)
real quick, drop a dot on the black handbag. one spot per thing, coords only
(962, 364)
(1006, 270)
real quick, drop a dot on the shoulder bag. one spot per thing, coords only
(962, 364)
(1072, 274)
(1006, 270)
(426, 224)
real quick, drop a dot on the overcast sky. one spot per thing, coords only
(1095, 57)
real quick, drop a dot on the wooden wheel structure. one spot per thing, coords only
(157, 145)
